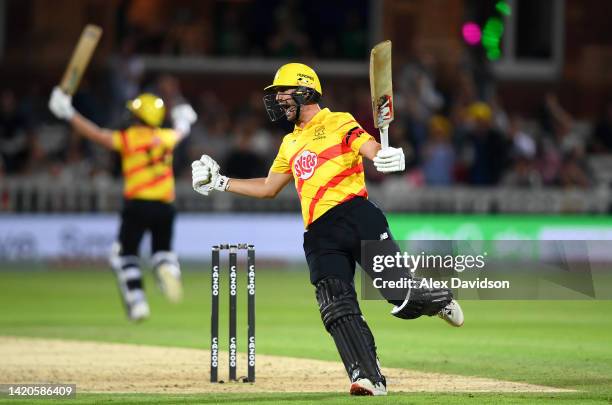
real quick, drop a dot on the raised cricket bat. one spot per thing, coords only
(381, 89)
(80, 58)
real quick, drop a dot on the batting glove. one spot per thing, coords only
(60, 104)
(206, 177)
(390, 160)
(183, 116)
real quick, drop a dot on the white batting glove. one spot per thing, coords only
(200, 177)
(206, 177)
(183, 116)
(390, 160)
(60, 104)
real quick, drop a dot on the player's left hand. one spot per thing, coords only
(390, 160)
(183, 116)
(60, 104)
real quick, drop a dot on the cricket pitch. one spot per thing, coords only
(126, 368)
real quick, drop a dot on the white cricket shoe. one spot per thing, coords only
(139, 311)
(169, 281)
(452, 314)
(363, 387)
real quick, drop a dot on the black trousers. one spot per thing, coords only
(333, 242)
(139, 216)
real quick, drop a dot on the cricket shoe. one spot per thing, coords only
(365, 387)
(452, 314)
(169, 282)
(139, 311)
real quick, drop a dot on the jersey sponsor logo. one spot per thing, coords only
(304, 165)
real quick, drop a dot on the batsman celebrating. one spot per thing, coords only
(323, 155)
(146, 159)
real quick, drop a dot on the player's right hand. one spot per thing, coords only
(390, 160)
(206, 177)
(200, 177)
(60, 104)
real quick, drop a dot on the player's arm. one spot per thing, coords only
(385, 160)
(206, 178)
(369, 149)
(265, 187)
(60, 105)
(91, 131)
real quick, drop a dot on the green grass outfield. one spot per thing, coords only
(564, 344)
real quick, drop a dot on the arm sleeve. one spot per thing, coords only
(281, 163)
(169, 138)
(354, 135)
(118, 140)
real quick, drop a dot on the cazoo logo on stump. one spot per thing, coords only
(305, 164)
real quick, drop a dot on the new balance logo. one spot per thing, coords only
(384, 236)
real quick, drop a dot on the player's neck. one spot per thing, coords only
(307, 112)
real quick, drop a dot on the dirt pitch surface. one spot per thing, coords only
(119, 368)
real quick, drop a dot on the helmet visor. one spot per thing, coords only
(275, 110)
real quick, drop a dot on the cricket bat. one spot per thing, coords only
(80, 58)
(381, 89)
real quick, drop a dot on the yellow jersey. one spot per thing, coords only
(325, 162)
(146, 161)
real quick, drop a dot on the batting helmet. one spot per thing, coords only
(149, 108)
(292, 75)
(296, 75)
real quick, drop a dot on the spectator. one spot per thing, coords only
(18, 144)
(523, 144)
(438, 153)
(574, 172)
(420, 98)
(601, 138)
(523, 172)
(570, 167)
(487, 146)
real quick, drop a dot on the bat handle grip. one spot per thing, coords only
(384, 136)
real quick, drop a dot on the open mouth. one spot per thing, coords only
(289, 109)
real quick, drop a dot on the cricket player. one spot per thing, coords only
(323, 155)
(146, 159)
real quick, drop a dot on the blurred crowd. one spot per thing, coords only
(270, 28)
(461, 134)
